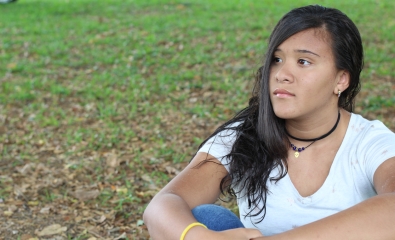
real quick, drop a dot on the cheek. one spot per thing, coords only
(272, 79)
(321, 90)
(272, 71)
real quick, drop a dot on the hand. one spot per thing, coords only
(198, 233)
(237, 234)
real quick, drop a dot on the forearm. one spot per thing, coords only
(169, 212)
(371, 219)
(167, 216)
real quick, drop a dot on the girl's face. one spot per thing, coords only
(304, 79)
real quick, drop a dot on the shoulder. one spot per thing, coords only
(220, 144)
(371, 142)
(369, 129)
(225, 136)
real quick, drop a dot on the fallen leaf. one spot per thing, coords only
(11, 66)
(85, 213)
(25, 169)
(78, 219)
(7, 213)
(95, 231)
(171, 170)
(101, 220)
(45, 210)
(12, 208)
(20, 190)
(40, 142)
(146, 178)
(111, 160)
(26, 237)
(123, 190)
(51, 230)
(33, 203)
(84, 195)
(140, 222)
(180, 7)
(123, 236)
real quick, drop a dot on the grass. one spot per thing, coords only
(119, 94)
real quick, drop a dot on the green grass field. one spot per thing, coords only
(103, 102)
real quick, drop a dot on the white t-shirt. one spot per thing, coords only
(366, 145)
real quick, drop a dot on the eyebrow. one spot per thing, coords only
(307, 51)
(300, 51)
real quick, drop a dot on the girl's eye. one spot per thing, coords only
(303, 62)
(277, 60)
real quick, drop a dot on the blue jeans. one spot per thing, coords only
(216, 218)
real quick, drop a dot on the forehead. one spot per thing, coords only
(316, 40)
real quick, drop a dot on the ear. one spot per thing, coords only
(343, 81)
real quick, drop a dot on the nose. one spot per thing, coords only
(283, 73)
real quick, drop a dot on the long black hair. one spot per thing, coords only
(261, 142)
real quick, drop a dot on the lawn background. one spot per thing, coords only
(103, 102)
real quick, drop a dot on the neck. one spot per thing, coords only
(317, 138)
(313, 128)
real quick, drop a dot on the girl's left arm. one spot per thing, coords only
(373, 218)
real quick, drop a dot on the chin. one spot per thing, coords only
(285, 113)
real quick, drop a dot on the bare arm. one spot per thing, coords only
(169, 212)
(371, 219)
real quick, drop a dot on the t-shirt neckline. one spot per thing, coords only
(320, 193)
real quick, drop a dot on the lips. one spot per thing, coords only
(283, 93)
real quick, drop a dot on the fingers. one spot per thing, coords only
(254, 234)
(238, 234)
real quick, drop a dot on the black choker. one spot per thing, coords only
(313, 140)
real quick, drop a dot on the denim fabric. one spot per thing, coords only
(216, 218)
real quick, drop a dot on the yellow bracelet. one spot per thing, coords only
(189, 228)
